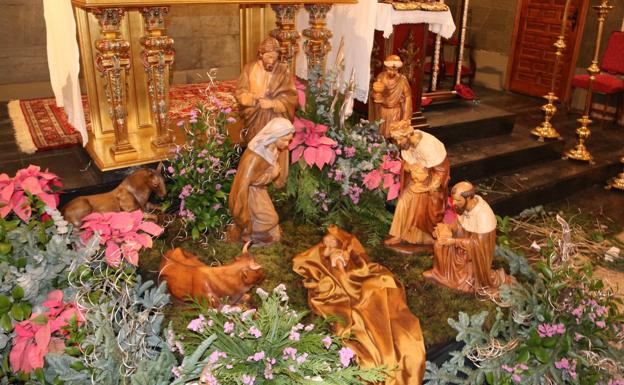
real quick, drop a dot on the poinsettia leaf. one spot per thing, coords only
(309, 155)
(151, 228)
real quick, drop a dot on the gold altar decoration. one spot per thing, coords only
(126, 59)
(410, 5)
(546, 129)
(580, 152)
(286, 33)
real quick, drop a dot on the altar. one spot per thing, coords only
(126, 59)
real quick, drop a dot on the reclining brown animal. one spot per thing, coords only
(132, 194)
(187, 277)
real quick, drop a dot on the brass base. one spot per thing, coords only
(579, 152)
(617, 182)
(141, 141)
(545, 131)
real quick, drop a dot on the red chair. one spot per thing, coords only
(447, 67)
(608, 83)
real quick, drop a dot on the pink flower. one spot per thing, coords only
(349, 152)
(198, 324)
(123, 233)
(327, 341)
(601, 324)
(289, 352)
(248, 380)
(255, 332)
(228, 327)
(346, 355)
(302, 358)
(516, 378)
(34, 337)
(14, 192)
(259, 356)
(311, 143)
(562, 364)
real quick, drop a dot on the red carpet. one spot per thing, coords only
(48, 128)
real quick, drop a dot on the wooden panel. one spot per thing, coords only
(532, 62)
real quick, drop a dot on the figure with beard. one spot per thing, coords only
(424, 180)
(463, 250)
(392, 96)
(265, 90)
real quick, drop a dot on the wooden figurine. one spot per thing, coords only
(424, 182)
(391, 96)
(187, 277)
(463, 250)
(132, 194)
(265, 161)
(265, 90)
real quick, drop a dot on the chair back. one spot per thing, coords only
(613, 57)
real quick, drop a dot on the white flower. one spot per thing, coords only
(314, 379)
(261, 293)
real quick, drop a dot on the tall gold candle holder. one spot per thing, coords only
(580, 152)
(546, 129)
(618, 181)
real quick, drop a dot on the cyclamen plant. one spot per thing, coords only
(203, 169)
(561, 327)
(268, 345)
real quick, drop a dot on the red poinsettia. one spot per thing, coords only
(311, 143)
(34, 338)
(14, 192)
(389, 172)
(120, 233)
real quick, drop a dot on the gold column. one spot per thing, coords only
(157, 56)
(286, 33)
(317, 46)
(580, 152)
(546, 129)
(113, 63)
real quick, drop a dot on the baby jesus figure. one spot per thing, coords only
(339, 257)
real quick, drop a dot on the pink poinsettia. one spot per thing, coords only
(311, 143)
(389, 173)
(34, 338)
(120, 233)
(301, 93)
(14, 192)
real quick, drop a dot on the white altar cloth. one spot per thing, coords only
(356, 23)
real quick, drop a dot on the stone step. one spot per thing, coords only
(510, 193)
(468, 121)
(477, 159)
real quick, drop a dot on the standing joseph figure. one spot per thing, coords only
(265, 90)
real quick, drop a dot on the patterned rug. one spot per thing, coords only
(40, 125)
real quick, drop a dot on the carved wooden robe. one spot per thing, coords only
(372, 303)
(278, 86)
(417, 213)
(249, 201)
(467, 265)
(397, 102)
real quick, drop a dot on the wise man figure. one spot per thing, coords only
(463, 250)
(265, 90)
(424, 183)
(392, 96)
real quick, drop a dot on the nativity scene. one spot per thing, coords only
(333, 192)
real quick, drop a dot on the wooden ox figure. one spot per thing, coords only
(188, 277)
(132, 194)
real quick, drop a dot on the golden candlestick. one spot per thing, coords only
(618, 181)
(580, 152)
(546, 129)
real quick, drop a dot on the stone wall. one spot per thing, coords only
(206, 36)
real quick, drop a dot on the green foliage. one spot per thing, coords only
(338, 193)
(562, 326)
(202, 172)
(268, 345)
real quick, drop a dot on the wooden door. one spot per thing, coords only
(531, 62)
